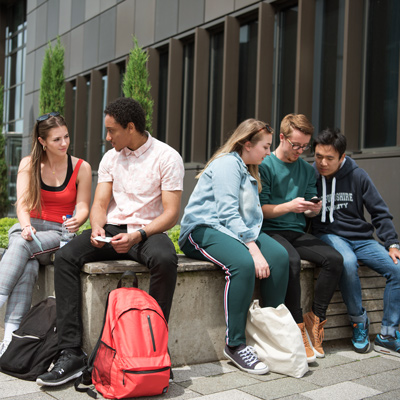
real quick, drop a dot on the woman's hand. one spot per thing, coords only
(260, 263)
(72, 224)
(26, 232)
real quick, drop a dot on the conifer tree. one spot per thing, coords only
(136, 81)
(4, 202)
(52, 87)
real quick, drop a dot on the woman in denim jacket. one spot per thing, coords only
(222, 223)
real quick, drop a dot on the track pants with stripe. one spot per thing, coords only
(206, 243)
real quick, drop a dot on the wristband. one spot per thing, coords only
(143, 234)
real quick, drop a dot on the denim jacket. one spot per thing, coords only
(225, 198)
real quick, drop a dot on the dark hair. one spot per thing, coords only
(125, 110)
(330, 137)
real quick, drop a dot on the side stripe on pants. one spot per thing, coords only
(227, 278)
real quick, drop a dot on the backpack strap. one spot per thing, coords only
(128, 273)
(86, 377)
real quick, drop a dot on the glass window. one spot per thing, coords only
(13, 157)
(187, 101)
(86, 142)
(328, 64)
(14, 91)
(15, 36)
(382, 73)
(247, 71)
(215, 93)
(285, 63)
(162, 96)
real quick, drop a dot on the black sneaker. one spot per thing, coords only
(245, 358)
(68, 366)
(171, 376)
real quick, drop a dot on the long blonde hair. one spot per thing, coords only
(32, 195)
(250, 130)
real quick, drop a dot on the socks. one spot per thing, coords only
(9, 328)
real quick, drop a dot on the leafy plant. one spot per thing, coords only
(173, 234)
(4, 202)
(52, 87)
(136, 81)
(5, 225)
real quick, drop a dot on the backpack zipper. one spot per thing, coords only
(151, 332)
(25, 336)
(150, 371)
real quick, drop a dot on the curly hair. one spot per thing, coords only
(125, 110)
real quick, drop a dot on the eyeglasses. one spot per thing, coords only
(267, 127)
(298, 147)
(47, 116)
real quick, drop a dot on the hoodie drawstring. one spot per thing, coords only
(333, 192)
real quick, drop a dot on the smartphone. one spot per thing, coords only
(315, 200)
(107, 239)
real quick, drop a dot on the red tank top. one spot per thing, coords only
(59, 201)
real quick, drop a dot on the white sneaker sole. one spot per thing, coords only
(250, 371)
(59, 382)
(314, 357)
(384, 350)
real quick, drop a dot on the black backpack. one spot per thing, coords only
(33, 346)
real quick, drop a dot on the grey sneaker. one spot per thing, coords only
(245, 358)
(68, 366)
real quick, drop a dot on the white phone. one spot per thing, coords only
(107, 239)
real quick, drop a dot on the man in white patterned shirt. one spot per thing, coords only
(137, 199)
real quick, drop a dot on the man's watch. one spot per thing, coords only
(143, 234)
(394, 246)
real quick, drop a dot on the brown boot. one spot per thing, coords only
(311, 357)
(315, 330)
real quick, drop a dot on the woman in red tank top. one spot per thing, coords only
(50, 184)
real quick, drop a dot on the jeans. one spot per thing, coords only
(376, 257)
(308, 247)
(157, 253)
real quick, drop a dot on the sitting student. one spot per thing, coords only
(346, 189)
(222, 223)
(288, 185)
(50, 184)
(137, 200)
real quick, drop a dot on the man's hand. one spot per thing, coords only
(299, 205)
(123, 242)
(394, 254)
(97, 231)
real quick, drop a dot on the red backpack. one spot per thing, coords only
(132, 357)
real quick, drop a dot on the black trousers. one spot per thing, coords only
(307, 247)
(157, 253)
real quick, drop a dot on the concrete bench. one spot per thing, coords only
(197, 325)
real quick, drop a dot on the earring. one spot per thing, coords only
(44, 147)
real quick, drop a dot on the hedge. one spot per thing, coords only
(7, 223)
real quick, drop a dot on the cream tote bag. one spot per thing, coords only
(277, 339)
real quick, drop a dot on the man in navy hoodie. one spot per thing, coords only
(345, 190)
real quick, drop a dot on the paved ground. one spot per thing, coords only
(342, 375)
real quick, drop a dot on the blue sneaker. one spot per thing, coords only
(360, 339)
(390, 345)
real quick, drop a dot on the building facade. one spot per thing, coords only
(212, 64)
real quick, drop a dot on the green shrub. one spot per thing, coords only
(5, 225)
(173, 234)
(136, 82)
